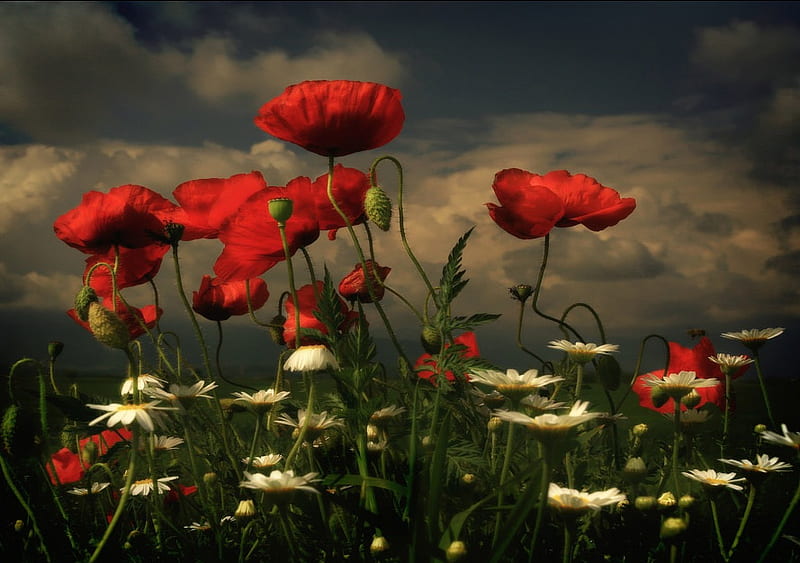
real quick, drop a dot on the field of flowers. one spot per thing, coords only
(341, 457)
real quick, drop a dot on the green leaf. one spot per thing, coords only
(453, 281)
(335, 480)
(470, 322)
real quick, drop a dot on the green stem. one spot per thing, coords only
(304, 428)
(757, 361)
(779, 529)
(547, 469)
(538, 289)
(717, 530)
(726, 414)
(292, 288)
(218, 354)
(578, 383)
(751, 498)
(21, 499)
(676, 438)
(566, 556)
(503, 475)
(520, 345)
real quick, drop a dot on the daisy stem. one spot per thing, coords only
(364, 268)
(726, 414)
(751, 497)
(256, 433)
(304, 428)
(547, 468)
(503, 474)
(578, 382)
(717, 530)
(757, 361)
(21, 499)
(566, 556)
(779, 529)
(126, 493)
(676, 443)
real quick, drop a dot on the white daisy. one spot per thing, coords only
(791, 439)
(728, 363)
(570, 502)
(711, 479)
(263, 461)
(580, 352)
(95, 488)
(143, 413)
(313, 357)
(762, 464)
(512, 384)
(143, 382)
(182, 395)
(317, 423)
(386, 413)
(198, 527)
(754, 338)
(260, 401)
(548, 426)
(145, 486)
(279, 487)
(676, 385)
(539, 404)
(166, 443)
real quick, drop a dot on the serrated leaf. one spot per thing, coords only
(452, 281)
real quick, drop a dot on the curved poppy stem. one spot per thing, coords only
(218, 355)
(538, 288)
(400, 213)
(250, 310)
(365, 269)
(292, 288)
(639, 365)
(520, 345)
(591, 310)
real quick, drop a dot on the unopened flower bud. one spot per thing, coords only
(456, 551)
(210, 478)
(379, 545)
(468, 479)
(659, 396)
(495, 423)
(85, 297)
(378, 207)
(428, 442)
(19, 526)
(640, 430)
(686, 502)
(246, 509)
(372, 432)
(89, 453)
(276, 329)
(431, 339)
(691, 399)
(174, 232)
(635, 470)
(521, 292)
(281, 209)
(645, 503)
(759, 428)
(54, 349)
(107, 327)
(672, 528)
(667, 500)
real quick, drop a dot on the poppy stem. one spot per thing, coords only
(538, 288)
(292, 287)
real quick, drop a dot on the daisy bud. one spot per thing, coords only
(379, 545)
(468, 479)
(672, 528)
(659, 396)
(431, 339)
(19, 526)
(521, 292)
(210, 478)
(666, 500)
(640, 430)
(246, 509)
(645, 504)
(85, 297)
(456, 551)
(494, 424)
(281, 209)
(107, 327)
(759, 428)
(378, 207)
(686, 502)
(635, 470)
(691, 399)
(372, 432)
(428, 442)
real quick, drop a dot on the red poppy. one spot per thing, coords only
(135, 267)
(306, 295)
(148, 314)
(349, 189)
(688, 359)
(252, 239)
(531, 205)
(334, 117)
(217, 300)
(174, 495)
(205, 205)
(68, 465)
(128, 216)
(426, 366)
(354, 284)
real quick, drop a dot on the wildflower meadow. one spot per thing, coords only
(335, 454)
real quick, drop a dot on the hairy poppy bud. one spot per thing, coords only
(107, 327)
(89, 453)
(54, 349)
(378, 207)
(431, 339)
(85, 297)
(276, 329)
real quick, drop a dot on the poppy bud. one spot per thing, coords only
(378, 207)
(659, 396)
(431, 339)
(281, 209)
(107, 327)
(9, 428)
(276, 329)
(521, 292)
(85, 297)
(89, 453)
(54, 349)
